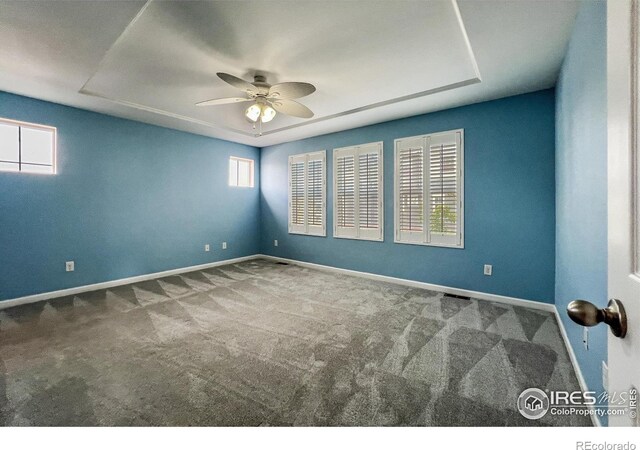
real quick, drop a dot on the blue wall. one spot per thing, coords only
(509, 201)
(581, 178)
(128, 199)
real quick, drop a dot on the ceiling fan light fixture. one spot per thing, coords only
(253, 112)
(260, 111)
(268, 113)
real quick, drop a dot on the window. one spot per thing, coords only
(240, 172)
(357, 192)
(429, 189)
(26, 147)
(307, 193)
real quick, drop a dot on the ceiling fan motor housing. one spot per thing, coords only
(260, 82)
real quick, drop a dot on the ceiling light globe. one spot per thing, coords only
(268, 113)
(253, 112)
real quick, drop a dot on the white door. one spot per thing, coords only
(623, 198)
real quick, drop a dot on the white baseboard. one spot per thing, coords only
(419, 284)
(109, 284)
(402, 281)
(576, 367)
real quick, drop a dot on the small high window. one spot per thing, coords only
(27, 147)
(240, 172)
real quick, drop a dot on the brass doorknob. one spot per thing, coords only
(587, 314)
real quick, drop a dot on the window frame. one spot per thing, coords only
(251, 172)
(35, 126)
(373, 234)
(424, 237)
(305, 228)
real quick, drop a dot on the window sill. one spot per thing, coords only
(429, 244)
(359, 238)
(301, 233)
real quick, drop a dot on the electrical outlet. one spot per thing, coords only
(206, 247)
(275, 243)
(70, 266)
(605, 376)
(585, 337)
(224, 246)
(488, 269)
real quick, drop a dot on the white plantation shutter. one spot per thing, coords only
(429, 189)
(444, 190)
(297, 190)
(358, 192)
(345, 193)
(315, 195)
(410, 190)
(370, 212)
(368, 191)
(307, 194)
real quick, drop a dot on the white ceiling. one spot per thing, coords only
(371, 61)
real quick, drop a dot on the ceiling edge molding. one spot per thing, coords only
(164, 113)
(115, 43)
(447, 87)
(463, 30)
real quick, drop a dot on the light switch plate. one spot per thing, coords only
(224, 246)
(70, 266)
(207, 248)
(488, 269)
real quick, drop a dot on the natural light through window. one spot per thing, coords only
(27, 147)
(240, 172)
(429, 189)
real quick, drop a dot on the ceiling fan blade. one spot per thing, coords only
(291, 90)
(223, 101)
(236, 82)
(292, 108)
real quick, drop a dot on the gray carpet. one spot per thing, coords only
(259, 343)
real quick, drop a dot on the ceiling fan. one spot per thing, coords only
(267, 99)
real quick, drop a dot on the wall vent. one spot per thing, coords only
(461, 297)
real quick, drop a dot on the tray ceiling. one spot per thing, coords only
(371, 61)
